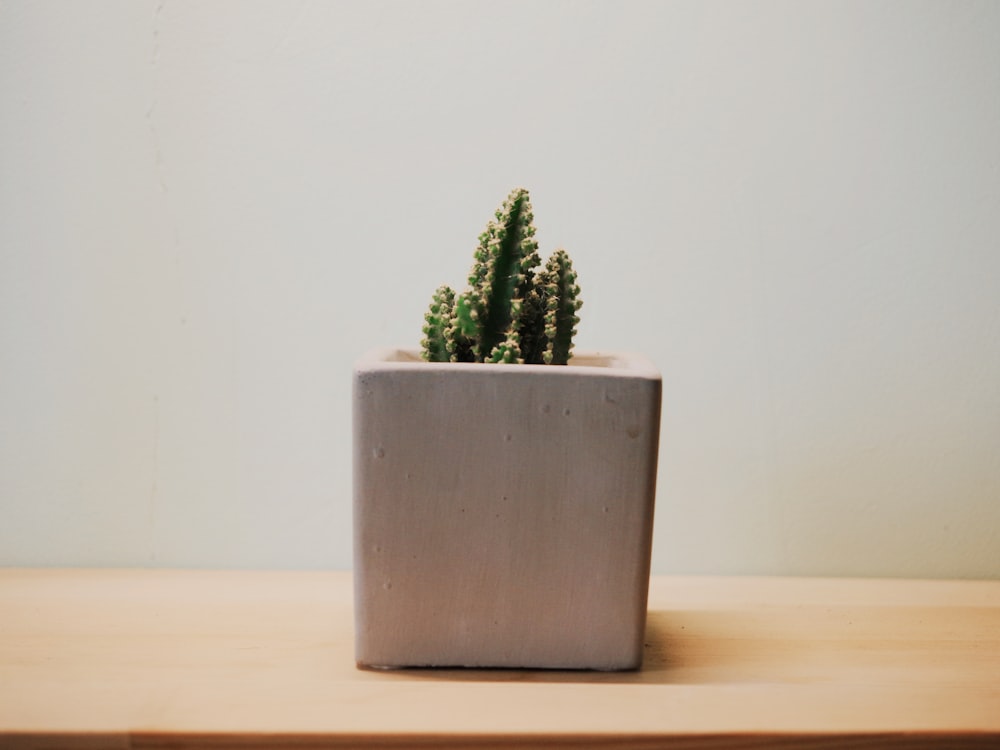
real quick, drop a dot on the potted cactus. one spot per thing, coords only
(503, 485)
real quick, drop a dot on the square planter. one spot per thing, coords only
(503, 513)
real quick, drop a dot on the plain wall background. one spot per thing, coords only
(208, 210)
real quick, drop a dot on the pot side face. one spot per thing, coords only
(503, 513)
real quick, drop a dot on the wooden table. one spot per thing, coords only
(97, 658)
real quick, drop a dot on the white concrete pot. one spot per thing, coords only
(503, 513)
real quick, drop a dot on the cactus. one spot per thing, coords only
(510, 314)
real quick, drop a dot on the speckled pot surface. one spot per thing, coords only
(503, 513)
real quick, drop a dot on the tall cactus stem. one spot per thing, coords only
(503, 273)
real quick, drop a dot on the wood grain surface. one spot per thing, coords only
(176, 659)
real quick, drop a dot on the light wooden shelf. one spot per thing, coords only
(98, 658)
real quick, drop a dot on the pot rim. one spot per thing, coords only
(583, 363)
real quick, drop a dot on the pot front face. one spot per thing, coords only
(503, 513)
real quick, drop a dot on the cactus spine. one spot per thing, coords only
(510, 314)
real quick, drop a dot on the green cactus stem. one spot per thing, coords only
(561, 298)
(463, 331)
(507, 352)
(437, 322)
(532, 325)
(503, 273)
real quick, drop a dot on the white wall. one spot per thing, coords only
(207, 210)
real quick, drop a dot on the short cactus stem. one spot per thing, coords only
(562, 303)
(463, 330)
(507, 352)
(437, 322)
